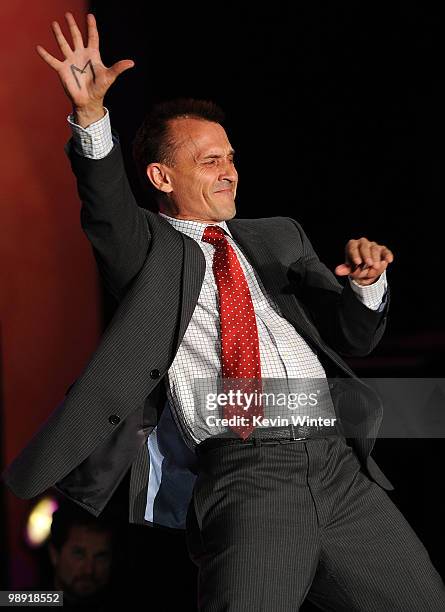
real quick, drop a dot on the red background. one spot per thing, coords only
(50, 298)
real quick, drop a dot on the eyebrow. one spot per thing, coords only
(216, 155)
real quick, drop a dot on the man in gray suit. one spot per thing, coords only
(278, 513)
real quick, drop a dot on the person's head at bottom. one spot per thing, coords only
(80, 549)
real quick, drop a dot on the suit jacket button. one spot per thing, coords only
(114, 419)
(155, 374)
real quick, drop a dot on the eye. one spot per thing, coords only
(78, 553)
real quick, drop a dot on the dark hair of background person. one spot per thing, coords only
(68, 515)
(154, 141)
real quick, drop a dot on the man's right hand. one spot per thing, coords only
(84, 77)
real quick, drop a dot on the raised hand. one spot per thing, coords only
(84, 77)
(364, 261)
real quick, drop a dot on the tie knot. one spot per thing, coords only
(213, 234)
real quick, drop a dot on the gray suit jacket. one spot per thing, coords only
(99, 431)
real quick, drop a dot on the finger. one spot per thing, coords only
(376, 253)
(49, 59)
(365, 251)
(353, 253)
(93, 34)
(64, 46)
(343, 269)
(119, 67)
(387, 255)
(74, 30)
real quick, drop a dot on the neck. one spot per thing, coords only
(190, 218)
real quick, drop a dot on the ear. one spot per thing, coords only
(159, 176)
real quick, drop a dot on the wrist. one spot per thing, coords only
(85, 116)
(365, 283)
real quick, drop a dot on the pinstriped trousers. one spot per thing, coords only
(269, 526)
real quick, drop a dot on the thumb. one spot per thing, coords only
(119, 67)
(343, 269)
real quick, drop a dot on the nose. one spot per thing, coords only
(228, 172)
(88, 566)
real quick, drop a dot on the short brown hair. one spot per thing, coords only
(153, 141)
(70, 515)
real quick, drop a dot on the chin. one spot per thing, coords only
(222, 210)
(228, 213)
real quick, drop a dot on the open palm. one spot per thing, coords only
(82, 73)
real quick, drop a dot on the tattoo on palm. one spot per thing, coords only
(75, 69)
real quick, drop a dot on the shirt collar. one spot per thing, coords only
(193, 229)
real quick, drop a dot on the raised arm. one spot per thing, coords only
(113, 222)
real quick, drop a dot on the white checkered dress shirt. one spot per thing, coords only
(284, 353)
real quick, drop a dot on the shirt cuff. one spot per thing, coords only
(94, 141)
(372, 296)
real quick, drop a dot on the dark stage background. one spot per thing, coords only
(334, 112)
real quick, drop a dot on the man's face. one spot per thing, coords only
(82, 566)
(203, 179)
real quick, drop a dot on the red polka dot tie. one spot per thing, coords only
(240, 351)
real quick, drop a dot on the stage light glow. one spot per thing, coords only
(39, 521)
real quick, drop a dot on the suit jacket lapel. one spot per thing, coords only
(274, 278)
(272, 273)
(193, 270)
